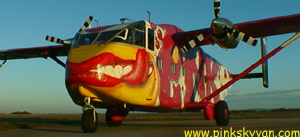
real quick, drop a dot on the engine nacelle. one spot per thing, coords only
(221, 36)
(227, 42)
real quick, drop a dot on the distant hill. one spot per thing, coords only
(24, 112)
(267, 110)
(284, 109)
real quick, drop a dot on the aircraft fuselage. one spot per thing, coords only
(140, 64)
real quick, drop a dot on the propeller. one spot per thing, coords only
(192, 43)
(69, 41)
(223, 32)
(242, 36)
(217, 7)
(54, 39)
(86, 24)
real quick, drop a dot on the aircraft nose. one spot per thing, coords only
(87, 52)
(82, 60)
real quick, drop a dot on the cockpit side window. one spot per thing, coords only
(133, 34)
(139, 38)
(140, 34)
(150, 39)
(139, 26)
(121, 36)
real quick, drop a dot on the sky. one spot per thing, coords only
(37, 85)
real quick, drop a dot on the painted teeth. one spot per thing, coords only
(127, 69)
(116, 71)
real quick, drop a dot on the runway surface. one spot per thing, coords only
(165, 128)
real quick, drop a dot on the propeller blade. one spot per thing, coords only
(86, 24)
(192, 43)
(54, 39)
(69, 41)
(217, 7)
(243, 37)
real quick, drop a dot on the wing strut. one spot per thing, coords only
(58, 61)
(253, 66)
(3, 63)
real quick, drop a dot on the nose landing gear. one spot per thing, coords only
(89, 118)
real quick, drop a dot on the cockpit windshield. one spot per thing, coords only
(133, 33)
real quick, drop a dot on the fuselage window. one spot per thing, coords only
(183, 72)
(159, 63)
(173, 68)
(150, 39)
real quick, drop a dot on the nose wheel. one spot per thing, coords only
(89, 118)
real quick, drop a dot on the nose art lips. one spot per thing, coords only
(107, 70)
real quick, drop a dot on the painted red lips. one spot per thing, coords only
(107, 70)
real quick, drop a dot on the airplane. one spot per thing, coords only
(142, 66)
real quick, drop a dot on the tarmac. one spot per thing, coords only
(271, 127)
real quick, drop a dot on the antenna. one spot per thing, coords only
(149, 15)
(123, 20)
(97, 23)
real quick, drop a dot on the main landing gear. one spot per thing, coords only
(221, 113)
(115, 116)
(89, 118)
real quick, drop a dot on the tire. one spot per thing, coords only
(222, 113)
(109, 121)
(87, 121)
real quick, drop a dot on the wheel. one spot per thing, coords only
(222, 113)
(88, 124)
(108, 119)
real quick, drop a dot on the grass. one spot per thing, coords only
(18, 121)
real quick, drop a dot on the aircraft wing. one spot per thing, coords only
(258, 28)
(271, 26)
(183, 37)
(34, 52)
